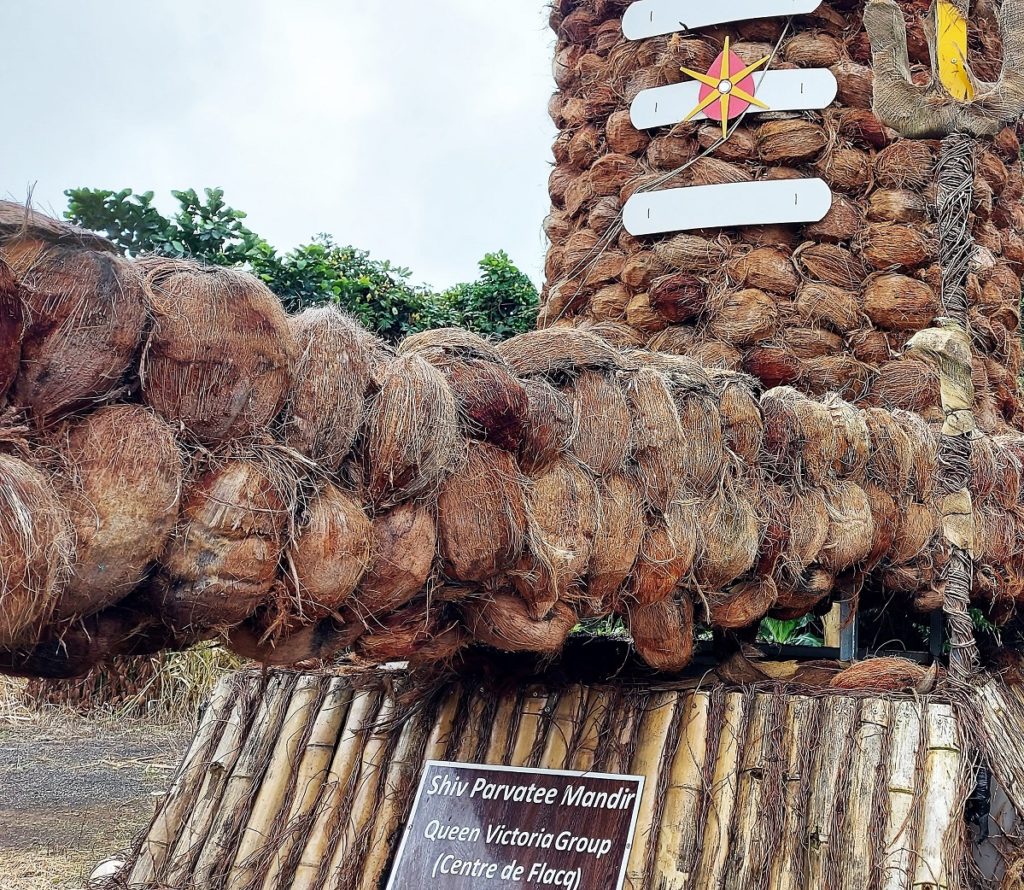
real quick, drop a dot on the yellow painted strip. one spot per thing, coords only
(952, 51)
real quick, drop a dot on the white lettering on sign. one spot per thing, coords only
(651, 18)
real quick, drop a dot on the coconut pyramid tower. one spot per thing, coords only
(775, 368)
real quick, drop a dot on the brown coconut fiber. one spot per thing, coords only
(412, 433)
(420, 633)
(482, 515)
(503, 622)
(602, 441)
(657, 436)
(219, 357)
(663, 633)
(619, 535)
(122, 483)
(330, 383)
(12, 327)
(549, 425)
(666, 555)
(492, 402)
(743, 604)
(36, 549)
(85, 312)
(881, 675)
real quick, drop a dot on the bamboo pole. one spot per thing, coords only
(620, 732)
(943, 759)
(897, 861)
(196, 828)
(1001, 723)
(588, 737)
(476, 731)
(797, 780)
(240, 790)
(724, 783)
(360, 716)
(503, 731)
(680, 839)
(269, 810)
(165, 825)
(313, 772)
(649, 761)
(370, 764)
(830, 763)
(562, 728)
(856, 850)
(444, 723)
(531, 719)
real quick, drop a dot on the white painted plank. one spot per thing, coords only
(723, 206)
(787, 90)
(649, 18)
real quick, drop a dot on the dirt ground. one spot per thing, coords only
(74, 791)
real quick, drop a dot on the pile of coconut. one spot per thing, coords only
(180, 460)
(824, 307)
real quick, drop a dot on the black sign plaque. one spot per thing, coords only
(474, 827)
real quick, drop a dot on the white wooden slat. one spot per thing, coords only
(722, 206)
(650, 18)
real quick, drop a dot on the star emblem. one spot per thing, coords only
(725, 95)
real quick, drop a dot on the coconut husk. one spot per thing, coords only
(121, 481)
(871, 346)
(767, 269)
(996, 534)
(603, 439)
(37, 546)
(740, 146)
(419, 633)
(330, 382)
(12, 327)
(855, 83)
(811, 343)
(908, 163)
(704, 454)
(555, 351)
(742, 425)
(716, 354)
(713, 171)
(783, 435)
(307, 646)
(678, 298)
(885, 515)
(924, 453)
(743, 317)
(851, 529)
(831, 264)
(412, 432)
(218, 360)
(802, 594)
(842, 222)
(1008, 470)
(742, 605)
(671, 152)
(892, 453)
(677, 340)
(906, 383)
(20, 220)
(619, 534)
(892, 246)
(492, 403)
(666, 555)
(811, 49)
(641, 269)
(790, 141)
(730, 538)
(622, 136)
(640, 314)
(621, 336)
(835, 373)
(549, 428)
(772, 365)
(860, 126)
(689, 253)
(845, 169)
(609, 303)
(482, 515)
(564, 505)
(657, 437)
(222, 560)
(916, 525)
(330, 552)
(84, 312)
(503, 622)
(404, 545)
(853, 438)
(881, 675)
(663, 633)
(897, 206)
(808, 529)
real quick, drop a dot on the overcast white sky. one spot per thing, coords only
(416, 129)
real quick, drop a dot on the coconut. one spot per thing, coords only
(916, 526)
(12, 327)
(601, 410)
(503, 622)
(221, 562)
(622, 136)
(831, 264)
(640, 314)
(658, 445)
(871, 346)
(609, 303)
(853, 438)
(663, 633)
(704, 454)
(772, 365)
(549, 425)
(897, 206)
(811, 343)
(742, 426)
(712, 171)
(621, 336)
(908, 163)
(851, 529)
(36, 550)
(689, 253)
(808, 528)
(716, 354)
(122, 481)
(564, 506)
(330, 552)
(642, 268)
(742, 604)
(832, 307)
(924, 453)
(670, 152)
(331, 379)
(85, 311)
(417, 633)
(744, 317)
(618, 538)
(730, 539)
(790, 141)
(906, 383)
(492, 402)
(811, 49)
(678, 298)
(859, 126)
(855, 83)
(889, 246)
(412, 433)
(881, 675)
(765, 268)
(740, 146)
(404, 545)
(1009, 468)
(555, 351)
(892, 453)
(219, 357)
(836, 373)
(481, 515)
(845, 169)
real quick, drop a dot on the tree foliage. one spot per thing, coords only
(501, 303)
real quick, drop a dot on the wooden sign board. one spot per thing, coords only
(785, 90)
(651, 18)
(723, 206)
(475, 826)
